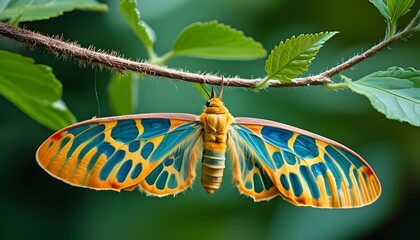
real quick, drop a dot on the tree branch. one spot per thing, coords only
(73, 50)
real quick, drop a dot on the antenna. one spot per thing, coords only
(221, 90)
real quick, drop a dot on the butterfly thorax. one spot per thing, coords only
(216, 121)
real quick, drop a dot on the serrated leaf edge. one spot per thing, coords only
(318, 44)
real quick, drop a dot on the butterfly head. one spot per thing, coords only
(215, 104)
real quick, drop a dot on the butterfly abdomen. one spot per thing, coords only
(213, 164)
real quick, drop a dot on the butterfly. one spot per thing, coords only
(158, 154)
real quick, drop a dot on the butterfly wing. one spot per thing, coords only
(305, 169)
(248, 174)
(155, 152)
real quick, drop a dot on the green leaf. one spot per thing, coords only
(32, 10)
(397, 8)
(395, 93)
(216, 41)
(128, 9)
(34, 89)
(382, 7)
(292, 57)
(122, 92)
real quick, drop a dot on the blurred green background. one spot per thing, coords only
(37, 206)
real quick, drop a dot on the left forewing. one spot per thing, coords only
(155, 152)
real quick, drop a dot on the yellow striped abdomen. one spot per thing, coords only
(213, 164)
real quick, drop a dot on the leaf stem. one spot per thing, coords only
(160, 61)
(262, 83)
(73, 50)
(391, 29)
(336, 86)
(151, 54)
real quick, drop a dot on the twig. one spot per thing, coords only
(358, 58)
(60, 48)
